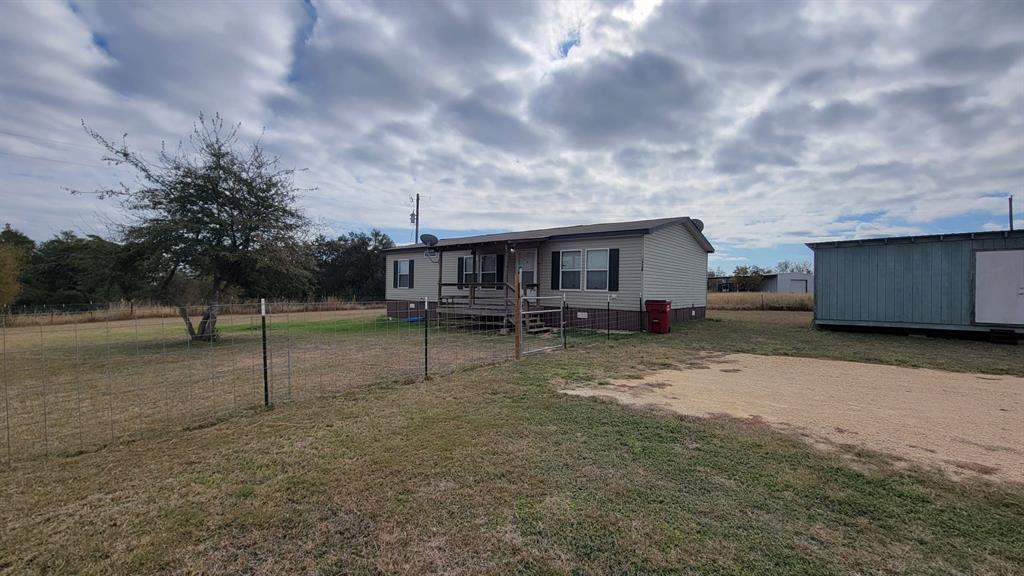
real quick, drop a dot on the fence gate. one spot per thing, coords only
(542, 323)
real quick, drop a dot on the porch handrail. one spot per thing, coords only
(507, 294)
(477, 284)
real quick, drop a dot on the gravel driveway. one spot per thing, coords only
(964, 424)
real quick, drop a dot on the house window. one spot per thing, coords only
(488, 270)
(571, 269)
(597, 269)
(403, 273)
(468, 272)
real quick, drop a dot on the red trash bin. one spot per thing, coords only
(659, 315)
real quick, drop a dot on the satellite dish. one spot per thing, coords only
(699, 224)
(428, 239)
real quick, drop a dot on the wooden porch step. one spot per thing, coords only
(534, 325)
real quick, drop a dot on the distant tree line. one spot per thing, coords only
(750, 278)
(73, 270)
(207, 221)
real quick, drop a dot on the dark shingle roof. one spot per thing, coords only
(636, 226)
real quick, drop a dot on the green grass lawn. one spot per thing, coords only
(789, 334)
(332, 326)
(492, 471)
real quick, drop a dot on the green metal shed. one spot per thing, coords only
(957, 282)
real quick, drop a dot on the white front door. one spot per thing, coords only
(999, 287)
(526, 261)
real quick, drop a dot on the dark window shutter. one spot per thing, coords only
(500, 277)
(613, 270)
(411, 272)
(461, 271)
(394, 277)
(556, 269)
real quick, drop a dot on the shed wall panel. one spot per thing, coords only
(920, 283)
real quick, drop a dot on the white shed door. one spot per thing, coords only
(799, 286)
(999, 287)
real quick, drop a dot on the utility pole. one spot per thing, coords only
(418, 216)
(1011, 212)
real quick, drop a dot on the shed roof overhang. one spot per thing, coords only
(919, 239)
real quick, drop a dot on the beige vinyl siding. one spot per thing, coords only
(675, 267)
(630, 272)
(450, 274)
(424, 277)
(425, 281)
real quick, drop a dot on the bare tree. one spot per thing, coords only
(795, 267)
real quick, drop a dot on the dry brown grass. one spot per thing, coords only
(491, 471)
(759, 301)
(121, 311)
(77, 387)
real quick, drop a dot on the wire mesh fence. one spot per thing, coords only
(77, 382)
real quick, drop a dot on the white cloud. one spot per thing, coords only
(819, 121)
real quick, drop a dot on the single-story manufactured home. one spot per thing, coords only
(970, 282)
(597, 270)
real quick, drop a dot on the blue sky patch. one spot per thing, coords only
(571, 40)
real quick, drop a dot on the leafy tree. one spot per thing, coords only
(17, 240)
(352, 266)
(10, 270)
(795, 267)
(749, 278)
(15, 249)
(69, 269)
(214, 212)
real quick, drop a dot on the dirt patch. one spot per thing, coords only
(959, 423)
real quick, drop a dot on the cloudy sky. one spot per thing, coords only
(775, 123)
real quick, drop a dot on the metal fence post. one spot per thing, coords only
(263, 328)
(561, 316)
(426, 339)
(608, 320)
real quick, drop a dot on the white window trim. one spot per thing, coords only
(468, 261)
(407, 275)
(583, 270)
(607, 270)
(480, 272)
(561, 285)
